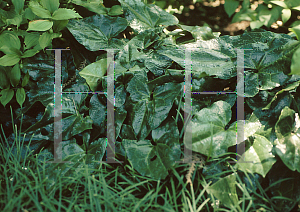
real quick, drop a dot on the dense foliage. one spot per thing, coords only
(149, 65)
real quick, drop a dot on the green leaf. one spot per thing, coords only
(31, 39)
(225, 190)
(286, 14)
(18, 4)
(295, 63)
(230, 6)
(45, 39)
(147, 113)
(16, 20)
(38, 10)
(6, 95)
(10, 50)
(30, 53)
(95, 152)
(268, 17)
(199, 33)
(296, 30)
(115, 10)
(141, 16)
(256, 24)
(260, 154)
(15, 75)
(65, 14)
(280, 3)
(9, 60)
(155, 160)
(94, 6)
(59, 25)
(97, 32)
(71, 125)
(94, 72)
(39, 25)
(210, 61)
(10, 40)
(296, 8)
(25, 79)
(209, 136)
(20, 96)
(288, 88)
(50, 5)
(287, 143)
(28, 14)
(4, 79)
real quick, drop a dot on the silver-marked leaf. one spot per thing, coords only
(260, 154)
(98, 32)
(142, 17)
(209, 136)
(155, 160)
(287, 143)
(225, 190)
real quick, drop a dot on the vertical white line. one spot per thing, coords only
(187, 105)
(110, 108)
(240, 148)
(57, 109)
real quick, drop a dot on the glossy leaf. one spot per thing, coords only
(209, 136)
(225, 191)
(222, 66)
(155, 160)
(142, 17)
(287, 143)
(260, 155)
(148, 113)
(71, 125)
(98, 32)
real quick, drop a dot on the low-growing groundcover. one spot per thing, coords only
(149, 80)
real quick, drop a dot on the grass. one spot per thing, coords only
(26, 186)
